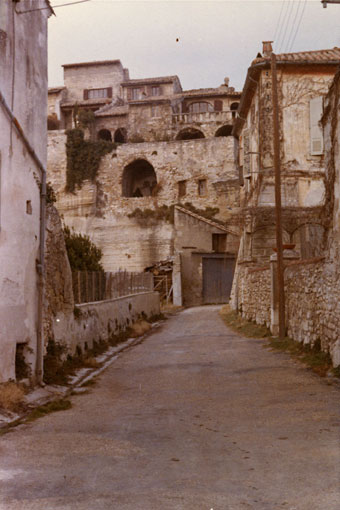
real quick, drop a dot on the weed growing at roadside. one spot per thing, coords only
(12, 396)
(51, 407)
(246, 328)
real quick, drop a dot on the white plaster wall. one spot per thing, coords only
(24, 76)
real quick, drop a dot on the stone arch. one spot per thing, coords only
(224, 130)
(189, 134)
(309, 239)
(120, 135)
(263, 241)
(139, 179)
(104, 134)
(233, 108)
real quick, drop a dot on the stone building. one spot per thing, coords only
(170, 147)
(23, 155)
(309, 135)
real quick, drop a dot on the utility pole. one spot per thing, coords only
(277, 167)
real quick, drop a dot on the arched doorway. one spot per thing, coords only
(224, 130)
(190, 134)
(104, 134)
(139, 179)
(120, 135)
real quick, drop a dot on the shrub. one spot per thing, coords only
(82, 253)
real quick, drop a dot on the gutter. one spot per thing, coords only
(41, 261)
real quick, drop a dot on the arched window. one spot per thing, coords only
(233, 108)
(104, 134)
(139, 179)
(120, 135)
(189, 134)
(200, 107)
(224, 130)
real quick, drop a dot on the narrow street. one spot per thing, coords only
(194, 418)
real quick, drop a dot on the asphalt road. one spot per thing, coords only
(194, 418)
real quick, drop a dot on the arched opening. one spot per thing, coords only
(224, 130)
(104, 134)
(233, 108)
(120, 135)
(139, 179)
(189, 134)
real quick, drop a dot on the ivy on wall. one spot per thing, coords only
(83, 158)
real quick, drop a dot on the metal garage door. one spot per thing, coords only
(218, 273)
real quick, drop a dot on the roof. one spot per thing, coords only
(112, 110)
(93, 63)
(212, 223)
(329, 57)
(157, 79)
(220, 91)
(53, 90)
(86, 102)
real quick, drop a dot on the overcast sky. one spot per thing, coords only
(200, 41)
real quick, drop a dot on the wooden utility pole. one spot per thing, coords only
(277, 167)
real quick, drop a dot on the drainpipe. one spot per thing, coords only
(41, 261)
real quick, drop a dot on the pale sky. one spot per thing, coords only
(200, 41)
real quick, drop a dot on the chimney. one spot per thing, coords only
(267, 48)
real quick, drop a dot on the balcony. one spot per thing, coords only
(204, 117)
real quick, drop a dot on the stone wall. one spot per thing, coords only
(313, 305)
(94, 321)
(100, 211)
(253, 293)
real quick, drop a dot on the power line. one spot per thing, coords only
(278, 21)
(290, 8)
(52, 7)
(298, 26)
(285, 3)
(295, 18)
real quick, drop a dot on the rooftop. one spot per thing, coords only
(304, 57)
(94, 63)
(157, 79)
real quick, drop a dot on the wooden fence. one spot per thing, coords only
(90, 286)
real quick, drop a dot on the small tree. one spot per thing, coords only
(82, 253)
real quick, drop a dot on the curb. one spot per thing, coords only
(84, 375)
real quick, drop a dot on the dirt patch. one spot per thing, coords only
(12, 396)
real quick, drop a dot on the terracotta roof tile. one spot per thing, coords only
(314, 56)
(157, 79)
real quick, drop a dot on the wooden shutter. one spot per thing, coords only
(109, 92)
(316, 135)
(86, 94)
(218, 105)
(184, 108)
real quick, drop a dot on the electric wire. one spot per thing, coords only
(290, 8)
(278, 22)
(298, 26)
(295, 18)
(285, 4)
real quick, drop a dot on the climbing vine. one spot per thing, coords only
(83, 158)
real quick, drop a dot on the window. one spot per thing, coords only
(155, 112)
(219, 243)
(200, 107)
(182, 188)
(316, 135)
(202, 187)
(155, 91)
(136, 94)
(98, 93)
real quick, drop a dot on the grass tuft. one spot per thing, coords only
(51, 407)
(12, 396)
(242, 326)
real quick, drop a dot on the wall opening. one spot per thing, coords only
(120, 135)
(189, 134)
(182, 189)
(104, 134)
(224, 130)
(219, 243)
(202, 187)
(233, 108)
(139, 179)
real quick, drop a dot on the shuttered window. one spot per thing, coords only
(98, 93)
(316, 135)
